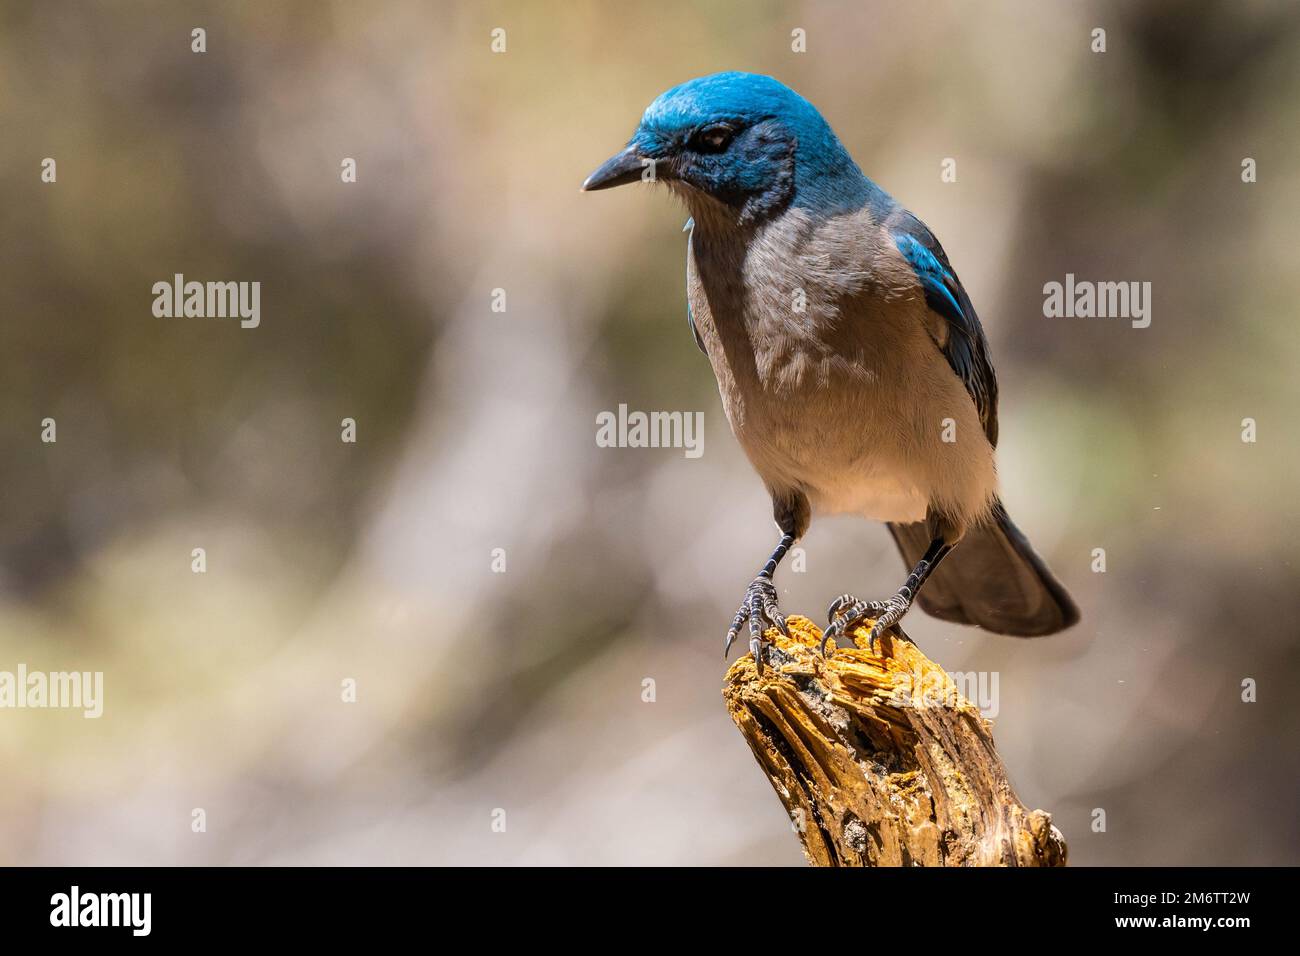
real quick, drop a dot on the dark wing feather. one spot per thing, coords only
(690, 316)
(967, 350)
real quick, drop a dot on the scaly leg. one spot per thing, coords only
(792, 514)
(760, 602)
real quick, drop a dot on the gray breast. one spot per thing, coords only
(805, 324)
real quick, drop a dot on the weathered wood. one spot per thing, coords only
(879, 760)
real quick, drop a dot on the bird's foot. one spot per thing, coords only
(759, 603)
(847, 612)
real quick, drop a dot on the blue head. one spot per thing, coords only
(746, 141)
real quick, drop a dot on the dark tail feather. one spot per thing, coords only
(993, 578)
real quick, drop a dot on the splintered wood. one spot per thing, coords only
(879, 760)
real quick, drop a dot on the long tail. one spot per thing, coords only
(993, 578)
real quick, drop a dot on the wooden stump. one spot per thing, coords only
(879, 760)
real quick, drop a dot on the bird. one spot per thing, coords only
(851, 364)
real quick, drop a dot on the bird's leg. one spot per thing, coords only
(792, 512)
(759, 603)
(847, 612)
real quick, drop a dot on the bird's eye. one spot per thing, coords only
(713, 139)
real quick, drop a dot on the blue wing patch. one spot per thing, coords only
(967, 349)
(940, 285)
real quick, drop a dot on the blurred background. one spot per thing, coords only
(521, 689)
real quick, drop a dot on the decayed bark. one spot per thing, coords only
(879, 760)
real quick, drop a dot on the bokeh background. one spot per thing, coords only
(522, 691)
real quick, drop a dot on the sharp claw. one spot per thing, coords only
(773, 613)
(836, 606)
(756, 640)
(732, 632)
(847, 612)
(759, 605)
(887, 615)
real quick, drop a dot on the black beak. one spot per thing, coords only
(618, 171)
